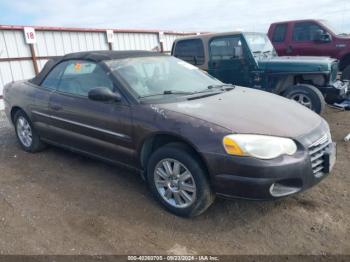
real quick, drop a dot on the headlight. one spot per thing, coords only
(259, 146)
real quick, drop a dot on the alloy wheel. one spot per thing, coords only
(24, 131)
(175, 183)
(302, 99)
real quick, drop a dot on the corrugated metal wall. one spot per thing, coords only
(135, 41)
(15, 54)
(12, 45)
(168, 41)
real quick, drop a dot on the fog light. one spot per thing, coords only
(279, 190)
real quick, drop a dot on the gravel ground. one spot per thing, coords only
(57, 202)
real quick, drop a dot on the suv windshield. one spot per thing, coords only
(259, 44)
(161, 75)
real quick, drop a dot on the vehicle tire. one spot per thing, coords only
(346, 73)
(178, 181)
(27, 136)
(308, 96)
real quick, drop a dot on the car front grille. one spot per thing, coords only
(317, 151)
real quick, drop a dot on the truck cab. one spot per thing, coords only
(311, 38)
(250, 60)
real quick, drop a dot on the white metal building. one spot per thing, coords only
(24, 51)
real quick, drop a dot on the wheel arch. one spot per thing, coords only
(282, 82)
(13, 112)
(314, 79)
(156, 140)
(315, 91)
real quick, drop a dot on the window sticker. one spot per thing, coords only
(77, 67)
(80, 68)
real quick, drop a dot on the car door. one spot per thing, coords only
(39, 108)
(303, 41)
(227, 61)
(101, 129)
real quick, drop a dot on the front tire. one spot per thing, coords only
(178, 181)
(27, 136)
(308, 96)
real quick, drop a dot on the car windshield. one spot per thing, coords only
(259, 44)
(162, 75)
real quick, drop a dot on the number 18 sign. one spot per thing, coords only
(29, 35)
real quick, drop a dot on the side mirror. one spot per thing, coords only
(322, 37)
(103, 94)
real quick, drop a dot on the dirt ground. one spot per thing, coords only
(57, 202)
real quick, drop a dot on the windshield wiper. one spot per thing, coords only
(263, 52)
(256, 53)
(169, 92)
(221, 87)
(211, 91)
(174, 92)
(218, 88)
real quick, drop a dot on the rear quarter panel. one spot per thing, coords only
(21, 95)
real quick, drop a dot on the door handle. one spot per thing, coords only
(289, 49)
(55, 107)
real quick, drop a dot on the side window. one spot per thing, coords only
(52, 80)
(191, 51)
(79, 77)
(306, 31)
(279, 34)
(226, 48)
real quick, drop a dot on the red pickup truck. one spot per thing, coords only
(311, 38)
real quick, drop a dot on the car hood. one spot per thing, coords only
(245, 110)
(295, 63)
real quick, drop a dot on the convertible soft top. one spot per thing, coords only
(95, 56)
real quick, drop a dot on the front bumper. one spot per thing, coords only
(336, 92)
(252, 178)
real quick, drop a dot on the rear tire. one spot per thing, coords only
(308, 96)
(346, 73)
(183, 190)
(27, 136)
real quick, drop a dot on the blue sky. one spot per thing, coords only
(179, 15)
